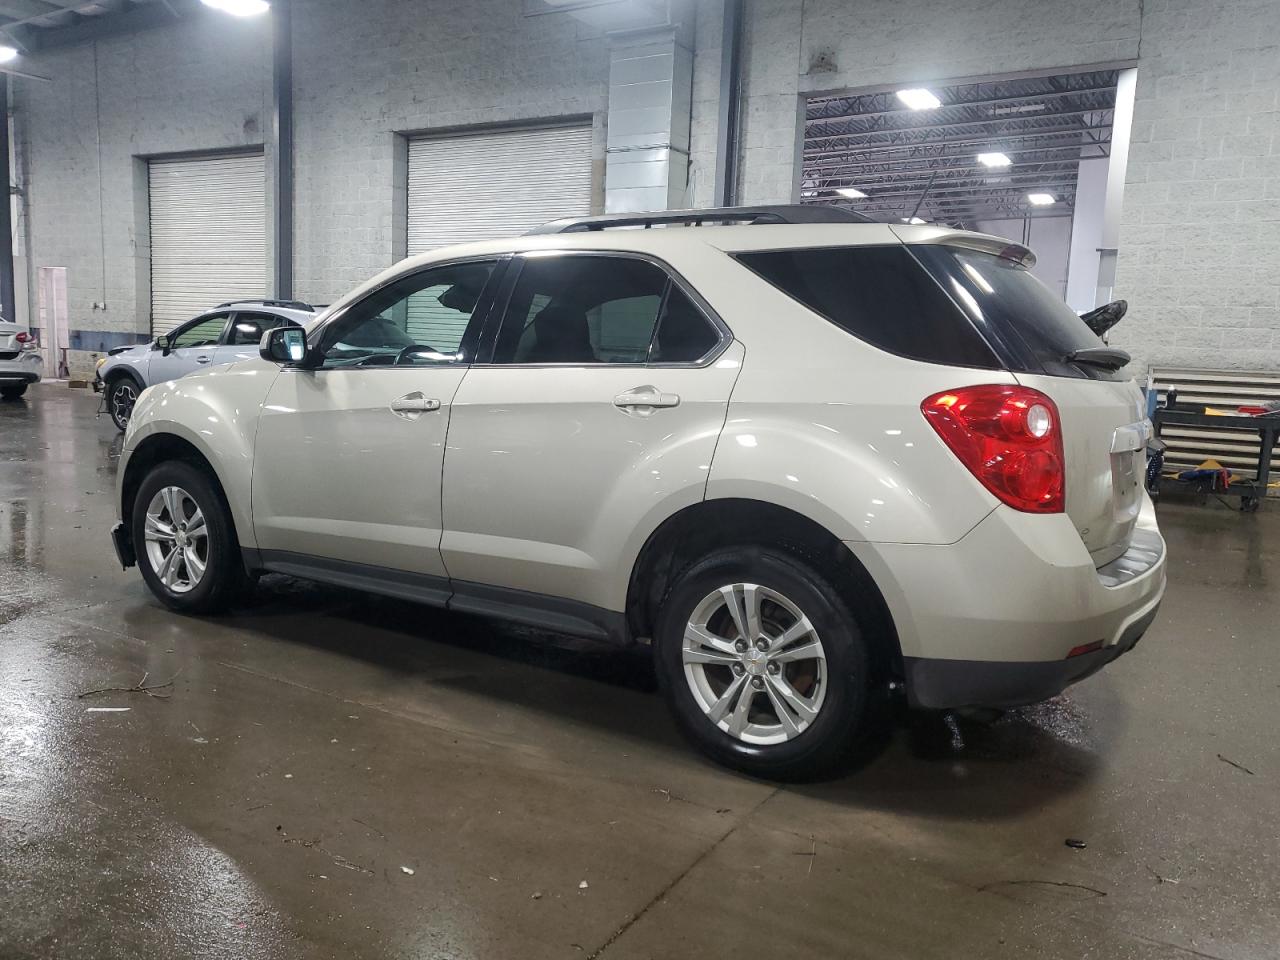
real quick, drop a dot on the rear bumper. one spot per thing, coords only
(24, 368)
(948, 684)
(991, 619)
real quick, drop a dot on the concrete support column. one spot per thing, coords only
(282, 148)
(650, 100)
(1121, 127)
(1086, 234)
(8, 302)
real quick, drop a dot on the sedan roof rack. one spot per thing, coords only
(775, 213)
(287, 304)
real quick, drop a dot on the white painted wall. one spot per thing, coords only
(1086, 234)
(1049, 239)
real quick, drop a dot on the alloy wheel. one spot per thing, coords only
(754, 663)
(177, 539)
(123, 397)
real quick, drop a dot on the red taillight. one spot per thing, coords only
(1009, 437)
(22, 337)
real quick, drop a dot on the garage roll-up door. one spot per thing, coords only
(488, 185)
(208, 234)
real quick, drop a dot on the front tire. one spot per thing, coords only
(122, 394)
(12, 391)
(763, 663)
(185, 540)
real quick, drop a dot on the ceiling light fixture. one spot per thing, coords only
(994, 160)
(239, 8)
(919, 99)
(853, 193)
(1041, 199)
(7, 53)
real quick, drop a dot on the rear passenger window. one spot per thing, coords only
(880, 295)
(684, 334)
(598, 309)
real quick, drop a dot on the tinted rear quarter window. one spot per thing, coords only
(1036, 328)
(881, 295)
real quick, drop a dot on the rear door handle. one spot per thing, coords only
(202, 359)
(646, 397)
(413, 405)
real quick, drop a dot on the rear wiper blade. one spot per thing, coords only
(1108, 358)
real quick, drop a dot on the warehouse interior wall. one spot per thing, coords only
(198, 84)
(1201, 209)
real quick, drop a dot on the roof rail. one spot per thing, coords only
(287, 304)
(776, 213)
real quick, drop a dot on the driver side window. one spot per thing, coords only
(204, 333)
(419, 320)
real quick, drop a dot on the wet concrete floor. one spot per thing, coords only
(332, 775)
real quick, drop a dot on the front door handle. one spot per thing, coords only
(202, 359)
(413, 405)
(646, 397)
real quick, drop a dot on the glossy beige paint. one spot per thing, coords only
(549, 484)
(371, 492)
(217, 412)
(1018, 587)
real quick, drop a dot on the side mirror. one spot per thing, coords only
(284, 345)
(162, 344)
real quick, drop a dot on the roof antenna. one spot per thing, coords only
(924, 193)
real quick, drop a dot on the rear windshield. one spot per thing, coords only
(881, 295)
(1031, 326)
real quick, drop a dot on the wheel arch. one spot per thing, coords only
(122, 371)
(711, 524)
(157, 448)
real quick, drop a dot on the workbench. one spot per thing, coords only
(1250, 492)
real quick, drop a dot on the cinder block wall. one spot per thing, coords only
(202, 84)
(1199, 256)
(398, 67)
(1199, 249)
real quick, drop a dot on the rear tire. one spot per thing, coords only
(185, 540)
(122, 394)
(13, 391)
(804, 671)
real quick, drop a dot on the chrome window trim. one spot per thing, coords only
(673, 275)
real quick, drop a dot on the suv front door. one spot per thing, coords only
(348, 455)
(190, 347)
(594, 410)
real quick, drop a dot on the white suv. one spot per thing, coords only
(811, 462)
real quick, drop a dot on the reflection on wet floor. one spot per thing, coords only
(318, 744)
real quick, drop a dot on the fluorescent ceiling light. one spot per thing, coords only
(7, 53)
(994, 160)
(919, 99)
(853, 193)
(239, 8)
(914, 220)
(1041, 199)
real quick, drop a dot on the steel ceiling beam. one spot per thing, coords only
(962, 161)
(968, 104)
(930, 127)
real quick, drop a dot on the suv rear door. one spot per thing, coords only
(591, 414)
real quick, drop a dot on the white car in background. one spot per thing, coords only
(20, 361)
(225, 334)
(815, 461)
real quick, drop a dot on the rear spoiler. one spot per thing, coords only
(982, 242)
